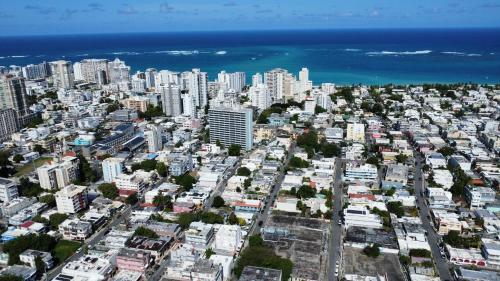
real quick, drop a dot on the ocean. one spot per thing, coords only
(372, 56)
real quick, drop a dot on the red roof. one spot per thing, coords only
(27, 224)
(70, 153)
(370, 197)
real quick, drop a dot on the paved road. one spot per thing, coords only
(274, 192)
(221, 185)
(92, 240)
(433, 237)
(335, 246)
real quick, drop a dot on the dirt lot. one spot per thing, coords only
(355, 262)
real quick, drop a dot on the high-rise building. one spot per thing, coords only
(58, 175)
(150, 74)
(154, 138)
(256, 79)
(95, 71)
(275, 80)
(188, 105)
(8, 123)
(111, 168)
(196, 82)
(77, 71)
(71, 199)
(13, 93)
(138, 85)
(171, 99)
(234, 81)
(62, 74)
(231, 126)
(36, 71)
(8, 190)
(260, 96)
(118, 71)
(305, 84)
(166, 77)
(310, 105)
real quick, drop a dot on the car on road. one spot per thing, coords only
(340, 222)
(260, 223)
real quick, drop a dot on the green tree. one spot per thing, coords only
(372, 251)
(255, 241)
(318, 109)
(401, 158)
(232, 219)
(108, 190)
(330, 150)
(306, 192)
(18, 158)
(446, 151)
(48, 199)
(234, 150)
(132, 199)
(244, 171)
(56, 219)
(10, 277)
(161, 169)
(87, 174)
(373, 160)
(296, 162)
(209, 252)
(145, 232)
(263, 257)
(218, 202)
(28, 188)
(396, 208)
(163, 202)
(38, 148)
(40, 266)
(185, 180)
(247, 183)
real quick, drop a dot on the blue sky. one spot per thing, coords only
(25, 17)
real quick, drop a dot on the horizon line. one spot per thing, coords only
(256, 30)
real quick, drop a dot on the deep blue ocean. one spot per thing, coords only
(406, 56)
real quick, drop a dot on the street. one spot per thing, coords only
(432, 237)
(336, 230)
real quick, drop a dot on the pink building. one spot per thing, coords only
(133, 260)
(183, 207)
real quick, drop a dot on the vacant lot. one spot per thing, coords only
(28, 168)
(64, 249)
(355, 262)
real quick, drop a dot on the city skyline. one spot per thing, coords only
(60, 17)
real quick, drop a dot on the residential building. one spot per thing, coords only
(128, 184)
(58, 174)
(133, 260)
(361, 216)
(13, 93)
(29, 257)
(111, 168)
(62, 74)
(8, 190)
(71, 199)
(355, 132)
(89, 267)
(228, 239)
(231, 126)
(8, 123)
(232, 81)
(75, 229)
(95, 71)
(364, 173)
(396, 176)
(171, 99)
(199, 234)
(154, 138)
(25, 273)
(478, 196)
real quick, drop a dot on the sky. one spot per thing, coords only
(35, 17)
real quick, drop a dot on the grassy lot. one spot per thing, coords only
(64, 249)
(28, 168)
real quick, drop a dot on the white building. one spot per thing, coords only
(232, 81)
(8, 190)
(310, 105)
(89, 267)
(75, 229)
(231, 126)
(57, 175)
(154, 138)
(228, 239)
(128, 184)
(361, 216)
(71, 199)
(364, 173)
(171, 99)
(259, 96)
(111, 168)
(356, 132)
(199, 234)
(62, 74)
